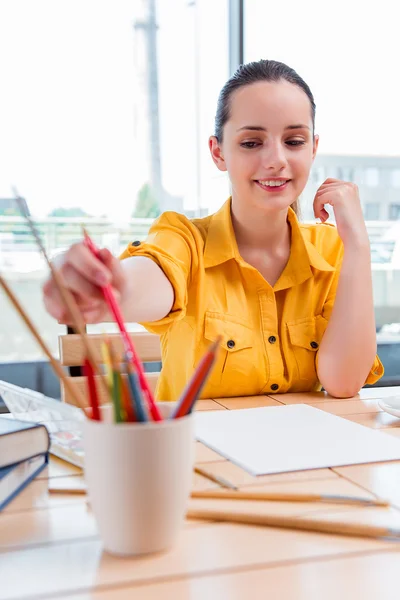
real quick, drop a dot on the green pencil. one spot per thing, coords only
(116, 391)
(116, 396)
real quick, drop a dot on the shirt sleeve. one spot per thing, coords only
(171, 244)
(377, 369)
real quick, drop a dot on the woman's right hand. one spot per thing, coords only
(84, 275)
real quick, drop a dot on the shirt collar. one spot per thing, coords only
(221, 243)
(221, 246)
(303, 256)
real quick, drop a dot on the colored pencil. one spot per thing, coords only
(116, 395)
(136, 393)
(127, 402)
(92, 391)
(288, 497)
(216, 479)
(214, 494)
(69, 385)
(68, 298)
(116, 386)
(303, 524)
(105, 353)
(193, 389)
(128, 344)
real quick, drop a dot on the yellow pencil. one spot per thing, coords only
(288, 497)
(304, 524)
(105, 352)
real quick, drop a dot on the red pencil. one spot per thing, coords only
(129, 347)
(91, 386)
(193, 389)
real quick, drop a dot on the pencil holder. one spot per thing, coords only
(139, 478)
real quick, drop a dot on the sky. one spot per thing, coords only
(71, 108)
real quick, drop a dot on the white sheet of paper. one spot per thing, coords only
(279, 439)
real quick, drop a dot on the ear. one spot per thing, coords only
(315, 146)
(216, 153)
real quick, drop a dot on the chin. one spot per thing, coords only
(276, 203)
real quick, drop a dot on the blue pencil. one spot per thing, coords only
(136, 394)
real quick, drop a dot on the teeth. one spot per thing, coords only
(273, 182)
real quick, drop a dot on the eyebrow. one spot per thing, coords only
(259, 128)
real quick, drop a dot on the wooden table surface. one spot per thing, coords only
(49, 545)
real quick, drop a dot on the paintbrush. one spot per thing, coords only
(67, 296)
(54, 363)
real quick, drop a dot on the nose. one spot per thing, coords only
(274, 157)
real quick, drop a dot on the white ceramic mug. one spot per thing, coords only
(139, 477)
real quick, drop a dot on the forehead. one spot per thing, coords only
(265, 103)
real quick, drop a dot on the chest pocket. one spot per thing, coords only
(305, 337)
(236, 357)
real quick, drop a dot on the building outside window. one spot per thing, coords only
(395, 212)
(371, 177)
(372, 211)
(396, 178)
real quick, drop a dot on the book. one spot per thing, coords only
(20, 440)
(64, 422)
(14, 478)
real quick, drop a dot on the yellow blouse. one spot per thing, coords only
(270, 335)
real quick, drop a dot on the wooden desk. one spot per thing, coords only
(49, 547)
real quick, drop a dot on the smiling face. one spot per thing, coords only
(268, 145)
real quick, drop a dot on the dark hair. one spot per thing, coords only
(253, 72)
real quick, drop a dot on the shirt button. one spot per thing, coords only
(230, 344)
(314, 344)
(136, 243)
(274, 387)
(272, 339)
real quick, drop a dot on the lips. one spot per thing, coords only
(272, 185)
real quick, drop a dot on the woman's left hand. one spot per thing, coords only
(345, 200)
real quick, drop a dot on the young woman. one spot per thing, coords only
(293, 303)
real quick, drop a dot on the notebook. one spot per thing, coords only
(20, 440)
(14, 478)
(297, 437)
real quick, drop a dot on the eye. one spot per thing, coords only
(295, 142)
(249, 145)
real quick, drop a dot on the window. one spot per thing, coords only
(109, 108)
(371, 177)
(394, 212)
(346, 174)
(395, 180)
(372, 211)
(382, 251)
(356, 121)
(318, 175)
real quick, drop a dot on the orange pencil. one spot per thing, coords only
(127, 403)
(193, 389)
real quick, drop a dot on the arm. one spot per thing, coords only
(149, 295)
(348, 347)
(139, 285)
(150, 282)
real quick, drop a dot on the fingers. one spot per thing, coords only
(321, 213)
(52, 300)
(84, 275)
(115, 268)
(322, 197)
(84, 262)
(55, 305)
(332, 184)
